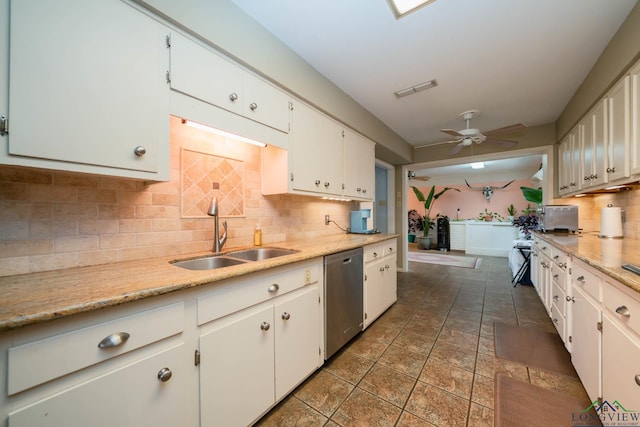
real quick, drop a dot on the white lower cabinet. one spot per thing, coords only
(148, 392)
(255, 357)
(586, 342)
(620, 365)
(259, 338)
(380, 281)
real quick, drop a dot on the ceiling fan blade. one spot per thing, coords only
(451, 132)
(502, 142)
(456, 149)
(511, 128)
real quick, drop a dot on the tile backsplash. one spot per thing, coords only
(53, 220)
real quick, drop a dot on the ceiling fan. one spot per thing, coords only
(466, 137)
(412, 176)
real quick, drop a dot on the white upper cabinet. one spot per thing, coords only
(619, 130)
(593, 142)
(317, 152)
(200, 72)
(569, 178)
(359, 166)
(635, 119)
(87, 89)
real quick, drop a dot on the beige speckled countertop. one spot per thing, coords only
(39, 297)
(605, 255)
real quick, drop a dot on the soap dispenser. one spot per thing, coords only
(257, 236)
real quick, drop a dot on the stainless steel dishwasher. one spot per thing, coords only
(343, 299)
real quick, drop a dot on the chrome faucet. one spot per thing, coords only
(218, 242)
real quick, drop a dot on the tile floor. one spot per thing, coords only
(429, 360)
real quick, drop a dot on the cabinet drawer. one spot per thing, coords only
(390, 247)
(559, 276)
(129, 396)
(254, 289)
(623, 306)
(586, 280)
(40, 361)
(558, 299)
(373, 252)
(544, 248)
(558, 320)
(559, 257)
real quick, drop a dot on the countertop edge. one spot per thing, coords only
(18, 308)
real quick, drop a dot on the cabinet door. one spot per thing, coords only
(89, 99)
(359, 166)
(618, 105)
(587, 148)
(565, 167)
(237, 369)
(264, 103)
(586, 342)
(130, 396)
(380, 288)
(635, 119)
(535, 268)
(199, 72)
(298, 338)
(600, 142)
(317, 152)
(620, 375)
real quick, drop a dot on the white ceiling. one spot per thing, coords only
(517, 61)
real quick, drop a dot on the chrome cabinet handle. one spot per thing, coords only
(555, 321)
(556, 298)
(556, 257)
(386, 267)
(390, 249)
(164, 374)
(381, 269)
(623, 311)
(375, 254)
(139, 151)
(327, 184)
(114, 340)
(233, 97)
(580, 279)
(286, 316)
(317, 182)
(253, 106)
(265, 326)
(273, 288)
(570, 299)
(364, 190)
(359, 190)
(555, 276)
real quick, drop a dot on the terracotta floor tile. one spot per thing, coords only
(479, 416)
(388, 384)
(454, 355)
(407, 419)
(482, 393)
(292, 412)
(324, 392)
(364, 409)
(367, 348)
(348, 366)
(404, 361)
(415, 342)
(447, 377)
(437, 406)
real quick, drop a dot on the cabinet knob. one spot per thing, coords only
(273, 288)
(114, 340)
(359, 190)
(364, 190)
(556, 298)
(375, 254)
(570, 299)
(233, 97)
(555, 321)
(390, 249)
(580, 279)
(381, 269)
(164, 374)
(265, 326)
(317, 182)
(555, 276)
(253, 106)
(386, 266)
(139, 151)
(623, 311)
(286, 316)
(637, 378)
(327, 184)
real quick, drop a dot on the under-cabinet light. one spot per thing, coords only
(223, 133)
(477, 165)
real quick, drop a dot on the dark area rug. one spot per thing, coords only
(520, 404)
(533, 347)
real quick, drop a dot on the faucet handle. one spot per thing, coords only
(223, 239)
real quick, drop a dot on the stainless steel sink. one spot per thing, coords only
(208, 263)
(258, 254)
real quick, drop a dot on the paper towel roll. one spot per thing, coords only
(611, 252)
(611, 222)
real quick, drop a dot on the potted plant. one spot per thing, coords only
(489, 216)
(511, 210)
(424, 241)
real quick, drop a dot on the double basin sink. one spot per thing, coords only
(233, 258)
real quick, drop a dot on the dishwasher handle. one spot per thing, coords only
(347, 260)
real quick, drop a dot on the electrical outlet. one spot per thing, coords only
(326, 220)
